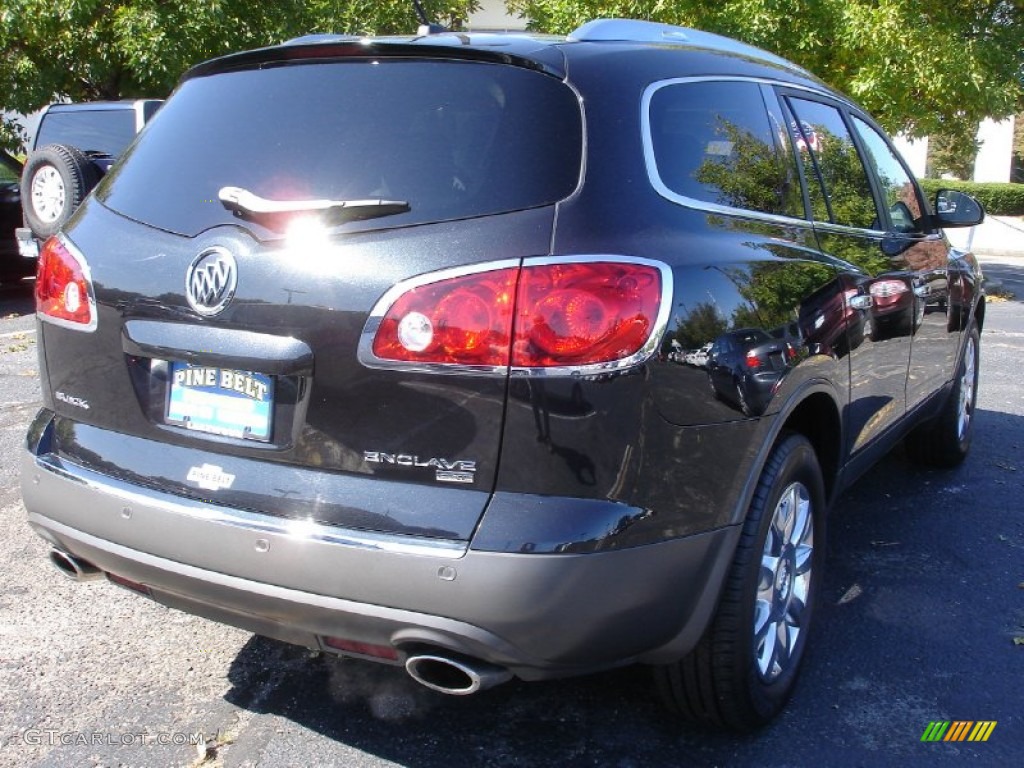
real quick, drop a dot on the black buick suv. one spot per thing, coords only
(365, 346)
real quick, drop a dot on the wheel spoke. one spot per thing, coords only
(769, 565)
(782, 646)
(776, 536)
(801, 529)
(762, 615)
(794, 617)
(786, 513)
(765, 647)
(803, 559)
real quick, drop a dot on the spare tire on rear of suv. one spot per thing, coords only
(55, 181)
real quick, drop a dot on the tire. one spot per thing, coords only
(55, 181)
(740, 676)
(945, 441)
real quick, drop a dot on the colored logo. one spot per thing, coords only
(210, 477)
(958, 730)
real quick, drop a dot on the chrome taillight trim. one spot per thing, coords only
(650, 347)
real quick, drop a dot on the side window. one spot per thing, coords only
(715, 142)
(7, 174)
(898, 188)
(837, 181)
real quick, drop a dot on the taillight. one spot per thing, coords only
(464, 320)
(550, 313)
(884, 289)
(753, 362)
(572, 314)
(64, 293)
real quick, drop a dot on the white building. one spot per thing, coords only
(494, 17)
(995, 152)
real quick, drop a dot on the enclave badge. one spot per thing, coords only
(445, 470)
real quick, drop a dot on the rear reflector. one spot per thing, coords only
(64, 292)
(362, 649)
(134, 586)
(551, 314)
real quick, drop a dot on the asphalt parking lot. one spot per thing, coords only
(923, 621)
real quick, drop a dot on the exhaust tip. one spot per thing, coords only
(73, 567)
(454, 677)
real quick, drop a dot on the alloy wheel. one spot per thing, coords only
(784, 582)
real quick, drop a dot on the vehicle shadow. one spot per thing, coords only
(381, 711)
(896, 541)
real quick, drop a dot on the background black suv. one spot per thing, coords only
(387, 375)
(12, 266)
(73, 147)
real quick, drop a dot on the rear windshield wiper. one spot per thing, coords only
(276, 214)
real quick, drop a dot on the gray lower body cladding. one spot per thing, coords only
(540, 615)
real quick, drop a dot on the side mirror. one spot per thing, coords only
(862, 302)
(956, 209)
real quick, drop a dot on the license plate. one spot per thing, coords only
(221, 401)
(27, 244)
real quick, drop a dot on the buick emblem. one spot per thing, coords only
(210, 282)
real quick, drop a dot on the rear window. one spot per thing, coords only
(453, 139)
(107, 131)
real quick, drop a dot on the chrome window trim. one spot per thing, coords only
(842, 229)
(90, 297)
(691, 202)
(366, 356)
(295, 529)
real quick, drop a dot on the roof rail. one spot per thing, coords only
(636, 31)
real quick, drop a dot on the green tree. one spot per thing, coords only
(752, 176)
(918, 66)
(110, 49)
(951, 154)
(700, 325)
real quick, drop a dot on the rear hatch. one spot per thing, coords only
(238, 250)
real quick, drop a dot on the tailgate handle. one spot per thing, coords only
(221, 347)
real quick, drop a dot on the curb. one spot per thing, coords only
(992, 254)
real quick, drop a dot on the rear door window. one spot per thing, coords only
(453, 139)
(837, 182)
(898, 189)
